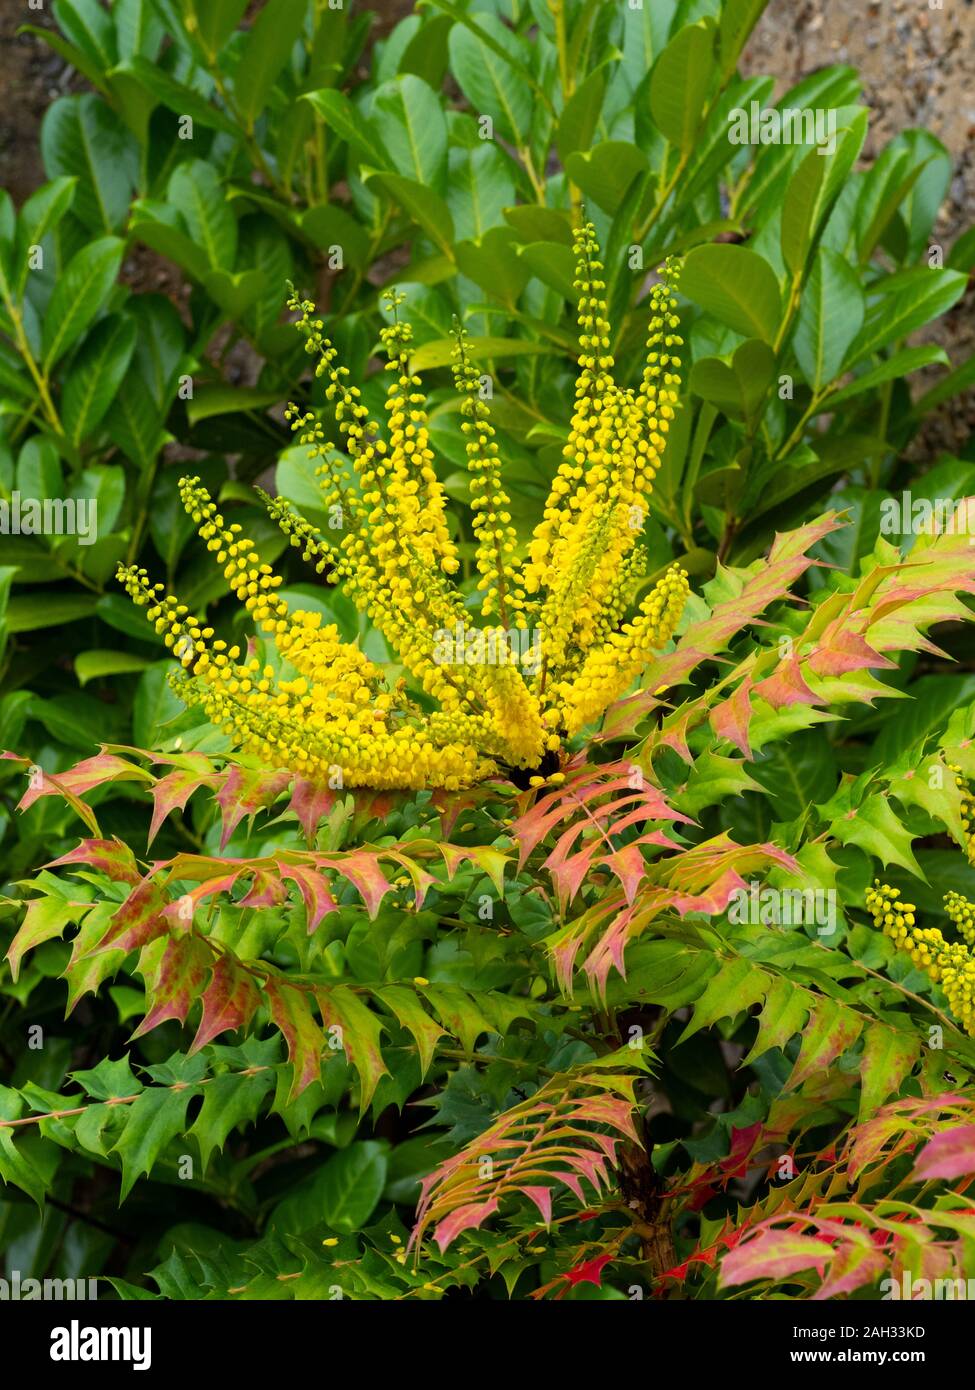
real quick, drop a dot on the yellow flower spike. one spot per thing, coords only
(949, 964)
(549, 647)
(608, 671)
(496, 540)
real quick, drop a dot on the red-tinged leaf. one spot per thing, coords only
(948, 1155)
(92, 772)
(716, 899)
(569, 874)
(46, 784)
(465, 1218)
(230, 1001)
(172, 792)
(743, 1142)
(315, 892)
(311, 803)
(705, 1257)
(46, 919)
(843, 650)
(786, 687)
(422, 881)
(208, 889)
(266, 889)
(674, 731)
(291, 1012)
(176, 983)
(608, 952)
(591, 1272)
(853, 1266)
(542, 1197)
(352, 1024)
(774, 1254)
(362, 869)
(112, 857)
(732, 717)
(630, 867)
(244, 792)
(139, 920)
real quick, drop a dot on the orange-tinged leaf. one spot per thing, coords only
(291, 1013)
(230, 1001)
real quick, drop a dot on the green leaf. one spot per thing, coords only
(155, 1118)
(27, 1161)
(738, 19)
(924, 295)
(606, 173)
(96, 374)
(179, 98)
(94, 664)
(81, 137)
(228, 1101)
(46, 919)
(72, 55)
(893, 368)
(78, 295)
(680, 83)
(408, 117)
(137, 27)
(337, 111)
(830, 317)
(411, 1014)
(480, 187)
(489, 68)
(218, 398)
(577, 124)
(812, 191)
(196, 191)
(737, 986)
(713, 779)
(735, 285)
(874, 826)
(888, 1057)
(329, 225)
(739, 389)
(235, 293)
(169, 241)
(89, 26)
(440, 353)
(34, 611)
(216, 21)
(494, 265)
(154, 706)
(40, 215)
(267, 48)
(351, 1184)
(427, 209)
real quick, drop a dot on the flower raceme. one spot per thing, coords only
(325, 707)
(950, 964)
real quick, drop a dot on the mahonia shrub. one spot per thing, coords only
(437, 956)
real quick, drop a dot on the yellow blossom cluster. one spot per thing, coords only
(967, 809)
(949, 964)
(508, 659)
